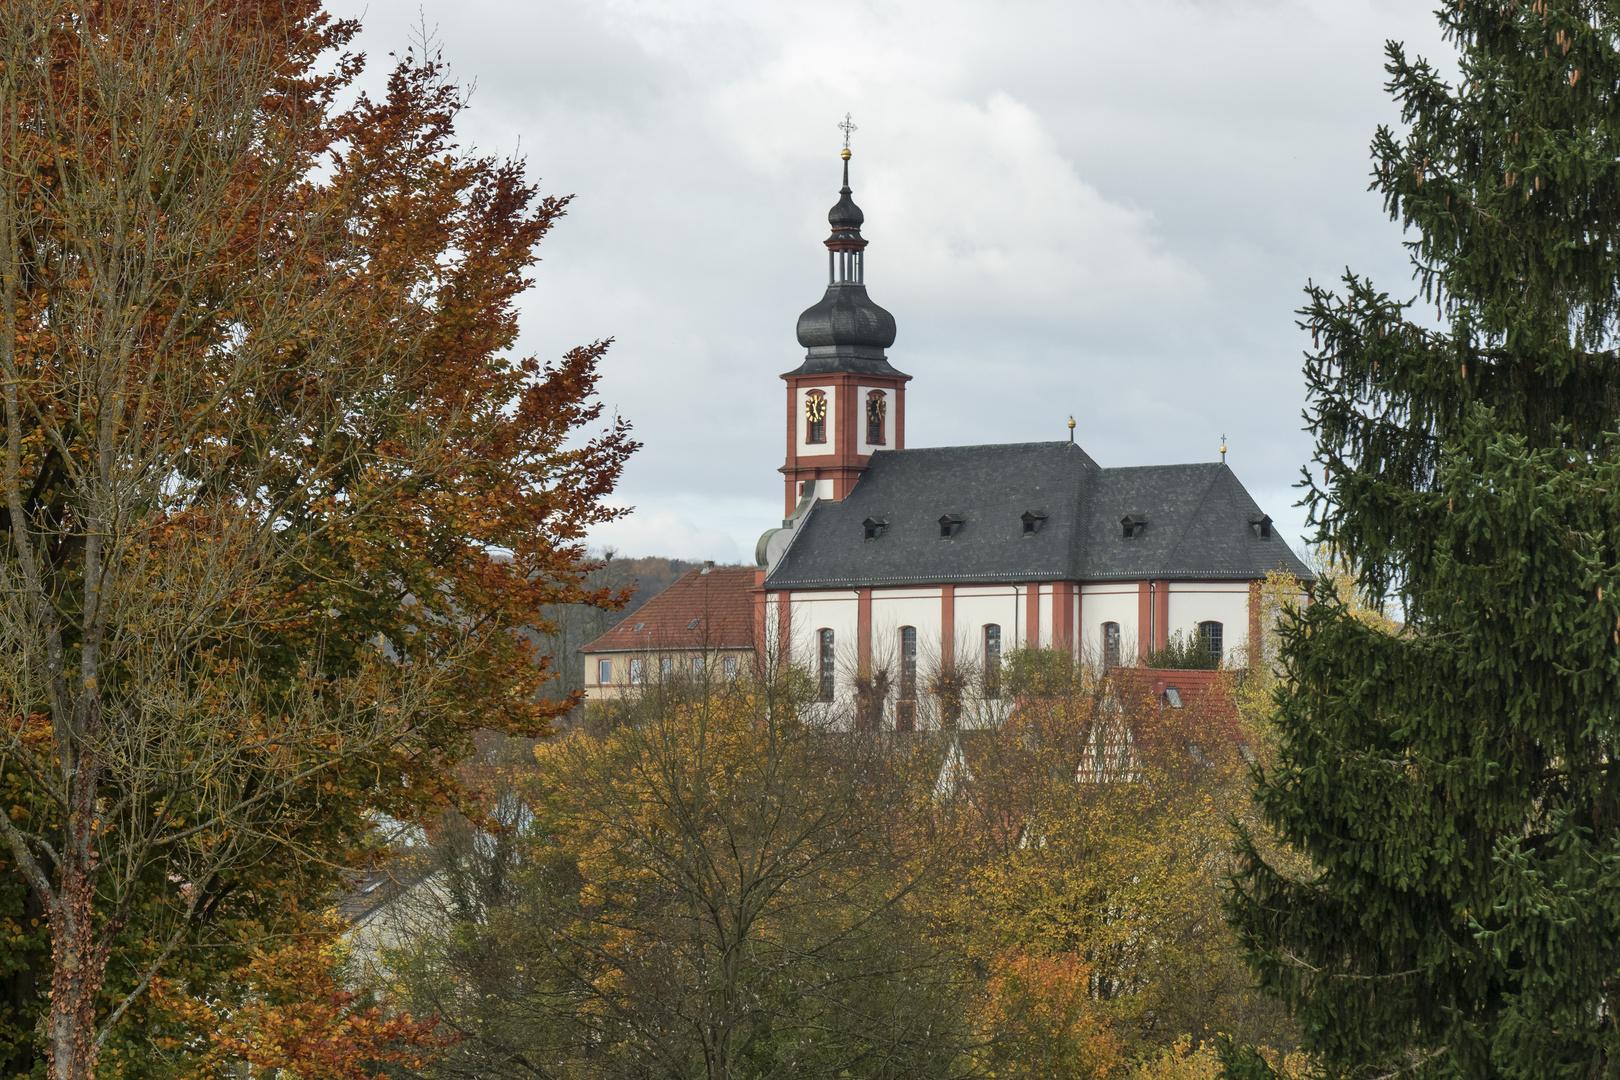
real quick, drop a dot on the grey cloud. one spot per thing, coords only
(1098, 208)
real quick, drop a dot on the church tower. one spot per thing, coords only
(845, 401)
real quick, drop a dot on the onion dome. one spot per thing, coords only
(846, 331)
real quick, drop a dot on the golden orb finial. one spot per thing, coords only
(844, 153)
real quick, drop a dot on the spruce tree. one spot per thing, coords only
(1454, 783)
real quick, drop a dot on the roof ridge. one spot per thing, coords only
(1144, 468)
(981, 446)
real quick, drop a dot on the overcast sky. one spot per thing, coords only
(1104, 209)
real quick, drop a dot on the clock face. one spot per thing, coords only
(876, 409)
(815, 409)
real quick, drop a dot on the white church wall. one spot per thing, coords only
(1047, 633)
(835, 610)
(1108, 603)
(809, 449)
(894, 608)
(978, 605)
(1225, 602)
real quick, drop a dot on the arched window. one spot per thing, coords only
(1209, 638)
(1110, 632)
(877, 407)
(905, 716)
(815, 417)
(827, 663)
(992, 660)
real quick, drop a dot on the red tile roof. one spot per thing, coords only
(1204, 693)
(708, 608)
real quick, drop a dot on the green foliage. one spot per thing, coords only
(1451, 784)
(1183, 650)
(1043, 673)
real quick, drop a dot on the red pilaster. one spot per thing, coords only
(784, 628)
(1161, 614)
(863, 630)
(1063, 617)
(1144, 620)
(947, 627)
(1032, 617)
(761, 634)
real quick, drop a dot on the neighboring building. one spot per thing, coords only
(954, 556)
(702, 625)
(1178, 712)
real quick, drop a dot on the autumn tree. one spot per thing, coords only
(1089, 829)
(1453, 785)
(274, 500)
(717, 888)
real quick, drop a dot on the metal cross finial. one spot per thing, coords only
(848, 128)
(1223, 448)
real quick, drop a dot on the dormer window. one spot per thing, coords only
(950, 525)
(1131, 526)
(873, 527)
(1261, 526)
(1033, 520)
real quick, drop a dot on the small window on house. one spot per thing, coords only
(1261, 526)
(950, 525)
(828, 661)
(693, 625)
(604, 672)
(1033, 520)
(877, 407)
(1209, 636)
(639, 625)
(1172, 697)
(873, 527)
(666, 667)
(1131, 526)
(815, 417)
(697, 667)
(992, 660)
(638, 670)
(731, 667)
(1110, 644)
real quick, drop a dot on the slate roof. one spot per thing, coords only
(1198, 522)
(711, 609)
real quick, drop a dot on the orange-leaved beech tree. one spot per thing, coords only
(275, 504)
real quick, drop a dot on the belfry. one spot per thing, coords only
(846, 401)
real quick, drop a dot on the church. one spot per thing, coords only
(951, 557)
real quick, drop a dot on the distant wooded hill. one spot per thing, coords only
(578, 624)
